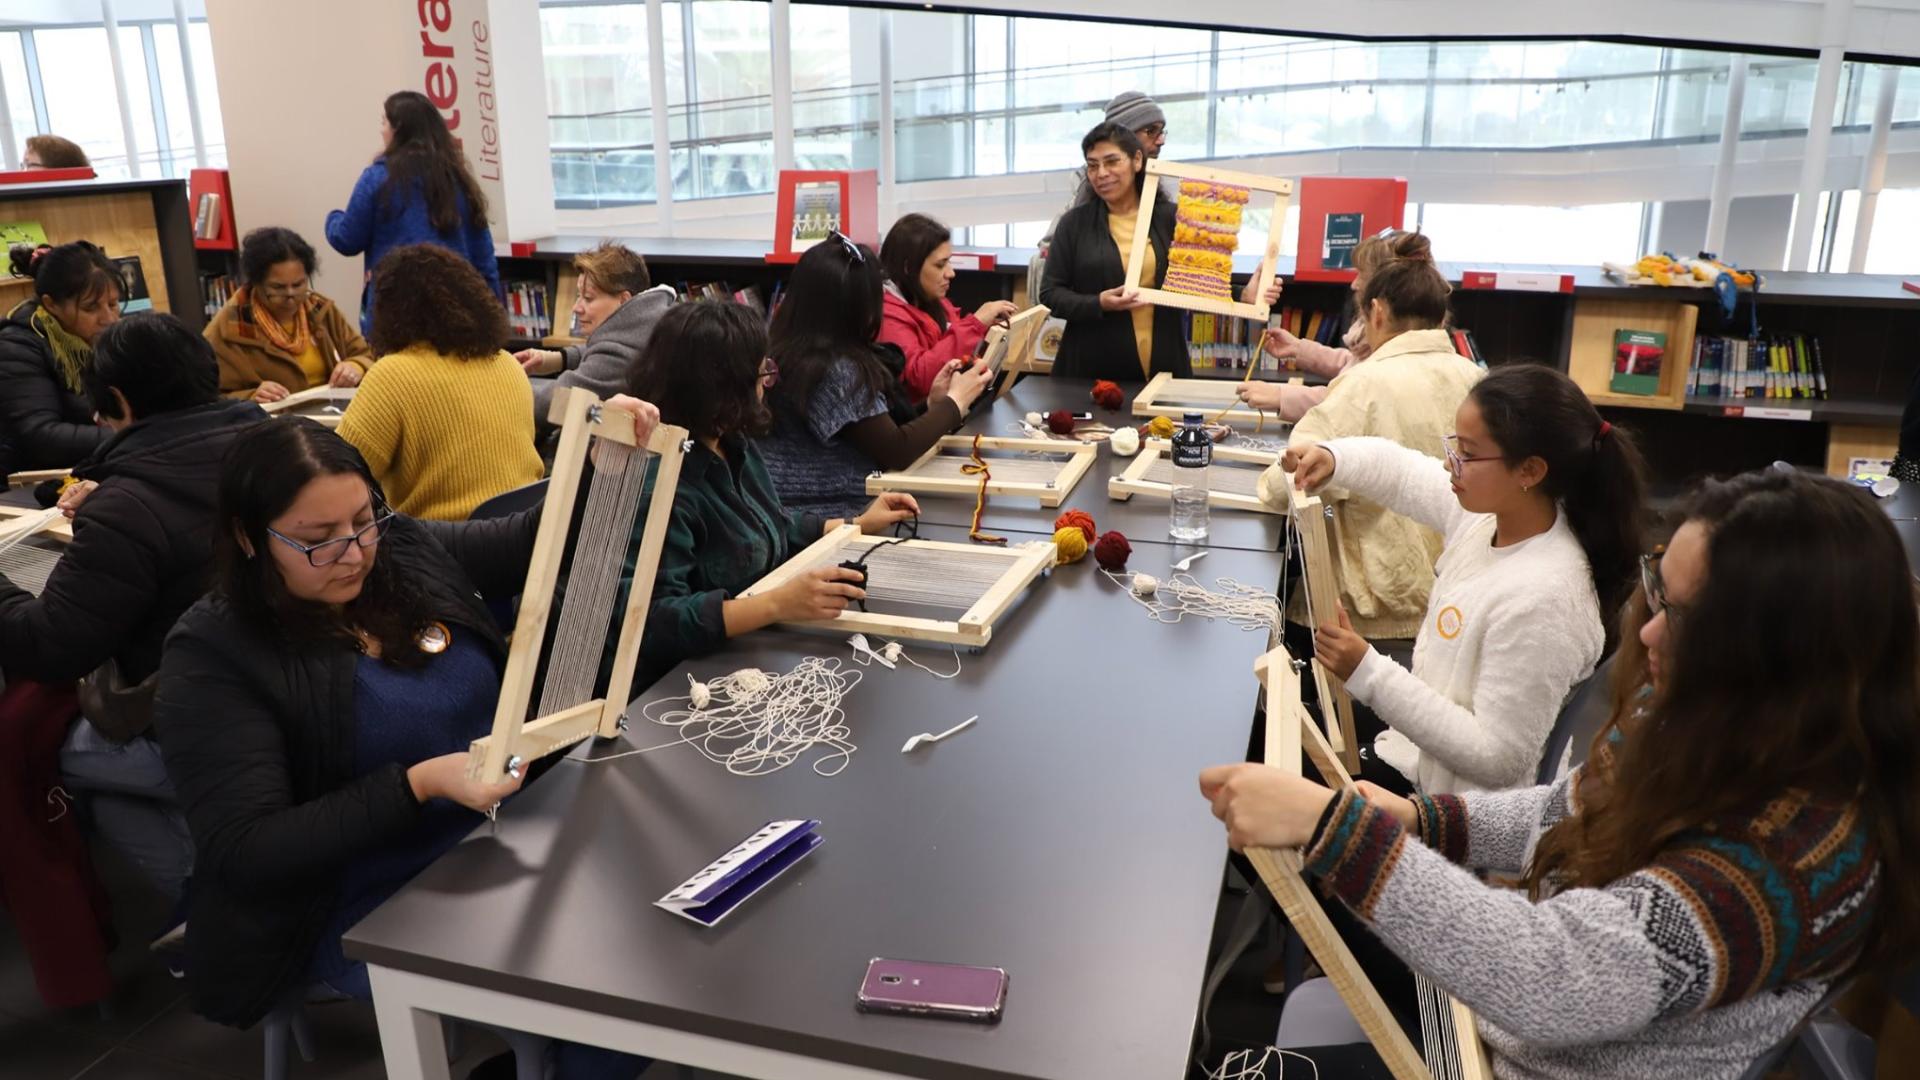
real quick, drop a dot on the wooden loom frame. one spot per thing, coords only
(1323, 599)
(1134, 480)
(1023, 328)
(1219, 399)
(1282, 192)
(30, 477)
(1289, 731)
(1051, 493)
(61, 529)
(579, 415)
(312, 395)
(1025, 563)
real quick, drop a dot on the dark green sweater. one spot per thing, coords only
(728, 531)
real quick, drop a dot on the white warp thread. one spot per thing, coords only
(758, 722)
(1181, 595)
(1245, 1066)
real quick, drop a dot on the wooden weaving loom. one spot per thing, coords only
(977, 584)
(1282, 192)
(323, 404)
(1321, 582)
(1014, 344)
(1234, 485)
(561, 631)
(1453, 1047)
(31, 543)
(1219, 399)
(942, 469)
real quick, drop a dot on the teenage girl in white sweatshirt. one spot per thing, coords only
(1540, 502)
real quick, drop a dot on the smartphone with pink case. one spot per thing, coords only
(918, 988)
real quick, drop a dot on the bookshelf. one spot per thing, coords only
(145, 218)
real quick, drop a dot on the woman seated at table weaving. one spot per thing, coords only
(1292, 401)
(445, 419)
(316, 709)
(1540, 503)
(1744, 834)
(1384, 560)
(276, 335)
(615, 310)
(918, 317)
(46, 421)
(839, 412)
(707, 371)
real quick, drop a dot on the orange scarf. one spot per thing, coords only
(297, 343)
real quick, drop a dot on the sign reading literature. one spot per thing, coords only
(1336, 213)
(813, 205)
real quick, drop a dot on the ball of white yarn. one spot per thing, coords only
(698, 693)
(1125, 441)
(1036, 420)
(1145, 585)
(747, 684)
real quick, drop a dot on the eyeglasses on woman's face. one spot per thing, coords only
(1655, 587)
(327, 552)
(1457, 462)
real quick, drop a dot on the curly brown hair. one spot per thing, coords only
(426, 294)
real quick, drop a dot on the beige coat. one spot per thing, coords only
(1407, 391)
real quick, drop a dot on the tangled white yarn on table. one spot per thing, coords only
(1181, 595)
(756, 722)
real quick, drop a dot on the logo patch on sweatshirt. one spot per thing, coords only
(1449, 622)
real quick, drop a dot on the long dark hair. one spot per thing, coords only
(700, 368)
(265, 469)
(831, 313)
(1594, 470)
(423, 153)
(1795, 668)
(904, 253)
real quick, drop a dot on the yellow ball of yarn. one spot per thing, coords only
(1160, 427)
(1070, 544)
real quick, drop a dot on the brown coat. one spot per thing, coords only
(248, 359)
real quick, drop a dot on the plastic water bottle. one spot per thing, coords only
(1192, 453)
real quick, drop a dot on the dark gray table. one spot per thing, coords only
(1140, 519)
(1062, 837)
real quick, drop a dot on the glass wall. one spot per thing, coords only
(58, 80)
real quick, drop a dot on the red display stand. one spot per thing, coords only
(1381, 204)
(46, 176)
(219, 235)
(813, 203)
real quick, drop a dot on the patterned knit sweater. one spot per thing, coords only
(443, 434)
(1689, 969)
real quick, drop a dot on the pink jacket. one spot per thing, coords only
(1321, 360)
(927, 347)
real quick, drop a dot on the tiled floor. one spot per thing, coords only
(149, 1033)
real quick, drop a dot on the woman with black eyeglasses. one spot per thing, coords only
(315, 710)
(1540, 504)
(276, 335)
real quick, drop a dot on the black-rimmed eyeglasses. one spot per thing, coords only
(327, 552)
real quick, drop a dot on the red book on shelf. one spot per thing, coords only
(46, 176)
(1911, 286)
(813, 204)
(1336, 213)
(970, 260)
(1517, 280)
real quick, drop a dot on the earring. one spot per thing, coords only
(1524, 488)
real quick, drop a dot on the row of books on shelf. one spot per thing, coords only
(215, 291)
(1225, 343)
(529, 310)
(1779, 366)
(721, 291)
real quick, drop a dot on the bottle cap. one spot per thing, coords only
(1194, 419)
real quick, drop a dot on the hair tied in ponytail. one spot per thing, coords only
(39, 253)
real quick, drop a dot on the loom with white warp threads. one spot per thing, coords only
(561, 631)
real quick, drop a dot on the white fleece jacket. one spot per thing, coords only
(1508, 633)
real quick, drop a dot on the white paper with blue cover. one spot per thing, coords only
(726, 883)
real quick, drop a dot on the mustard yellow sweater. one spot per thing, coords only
(442, 434)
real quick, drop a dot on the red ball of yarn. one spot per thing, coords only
(1079, 519)
(1060, 422)
(1111, 551)
(1107, 395)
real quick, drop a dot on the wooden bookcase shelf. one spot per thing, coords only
(147, 218)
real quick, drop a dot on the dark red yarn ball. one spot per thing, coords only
(1060, 422)
(1111, 551)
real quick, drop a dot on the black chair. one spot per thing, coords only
(511, 502)
(1579, 720)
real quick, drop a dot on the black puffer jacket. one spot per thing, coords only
(258, 736)
(1083, 263)
(142, 546)
(43, 425)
